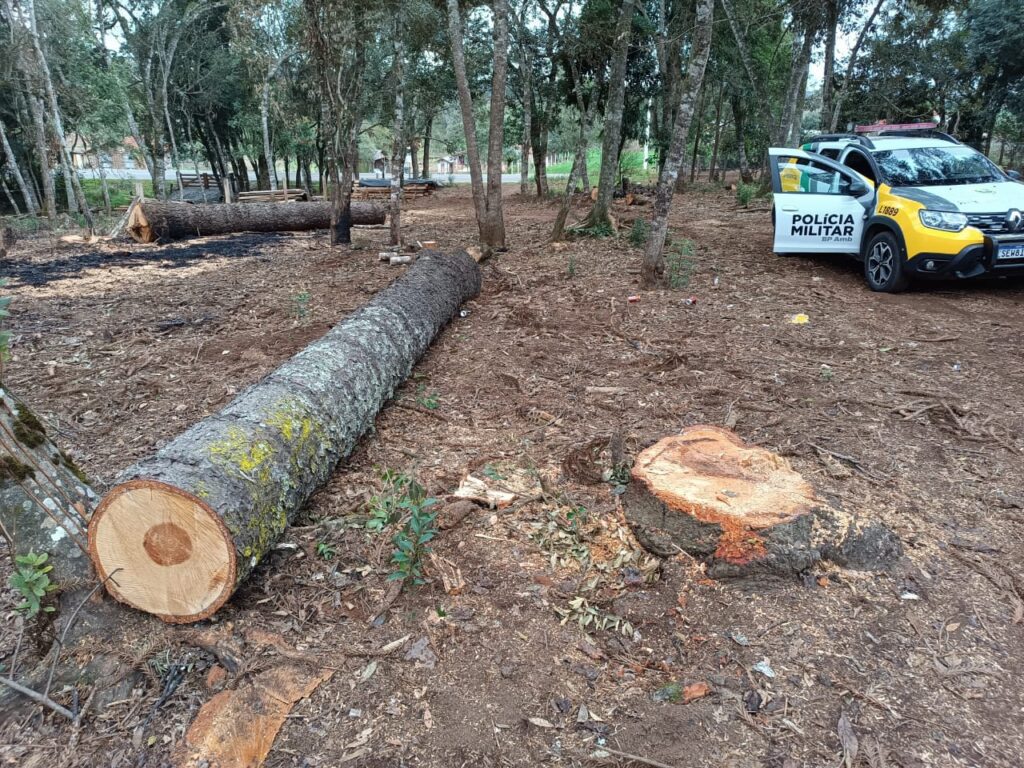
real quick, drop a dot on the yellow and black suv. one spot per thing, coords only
(908, 201)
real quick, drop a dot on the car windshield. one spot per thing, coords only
(929, 166)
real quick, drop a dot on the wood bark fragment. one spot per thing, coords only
(187, 524)
(151, 220)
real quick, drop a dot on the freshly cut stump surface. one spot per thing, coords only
(187, 524)
(742, 508)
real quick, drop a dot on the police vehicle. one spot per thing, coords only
(907, 200)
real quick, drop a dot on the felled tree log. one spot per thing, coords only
(189, 523)
(152, 220)
(45, 499)
(742, 509)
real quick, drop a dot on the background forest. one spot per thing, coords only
(273, 92)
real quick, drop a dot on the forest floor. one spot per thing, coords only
(904, 409)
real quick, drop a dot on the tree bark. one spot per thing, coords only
(829, 68)
(398, 129)
(188, 524)
(45, 500)
(613, 118)
(739, 115)
(845, 90)
(265, 127)
(43, 155)
(153, 220)
(698, 124)
(455, 34)
(427, 130)
(15, 171)
(526, 75)
(493, 229)
(653, 269)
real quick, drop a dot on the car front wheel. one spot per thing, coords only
(883, 264)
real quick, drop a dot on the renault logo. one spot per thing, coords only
(1014, 220)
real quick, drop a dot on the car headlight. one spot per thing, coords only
(948, 222)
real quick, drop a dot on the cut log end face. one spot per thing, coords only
(173, 554)
(711, 494)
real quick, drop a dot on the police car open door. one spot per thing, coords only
(820, 205)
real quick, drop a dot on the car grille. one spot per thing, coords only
(989, 223)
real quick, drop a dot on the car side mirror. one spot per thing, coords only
(858, 188)
(1015, 175)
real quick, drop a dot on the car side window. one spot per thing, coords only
(807, 176)
(860, 163)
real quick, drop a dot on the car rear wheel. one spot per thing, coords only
(883, 264)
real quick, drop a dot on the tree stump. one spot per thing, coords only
(742, 509)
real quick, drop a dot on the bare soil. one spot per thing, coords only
(904, 409)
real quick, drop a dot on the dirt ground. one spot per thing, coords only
(904, 409)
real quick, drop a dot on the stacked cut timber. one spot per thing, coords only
(150, 220)
(272, 196)
(189, 523)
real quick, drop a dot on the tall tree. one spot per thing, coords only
(486, 200)
(653, 269)
(599, 213)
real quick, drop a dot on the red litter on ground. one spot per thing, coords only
(632, 299)
(690, 301)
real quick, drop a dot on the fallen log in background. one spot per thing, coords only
(152, 220)
(190, 522)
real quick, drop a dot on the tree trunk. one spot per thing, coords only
(188, 524)
(427, 130)
(14, 207)
(265, 126)
(287, 169)
(526, 74)
(455, 34)
(742, 510)
(653, 268)
(175, 157)
(719, 125)
(698, 125)
(845, 90)
(739, 116)
(398, 145)
(45, 500)
(492, 231)
(15, 171)
(43, 156)
(539, 140)
(801, 61)
(829, 70)
(613, 118)
(153, 220)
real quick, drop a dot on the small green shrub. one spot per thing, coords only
(31, 579)
(325, 550)
(300, 303)
(387, 507)
(639, 233)
(412, 539)
(745, 193)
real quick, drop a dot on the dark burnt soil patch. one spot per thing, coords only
(33, 271)
(901, 408)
